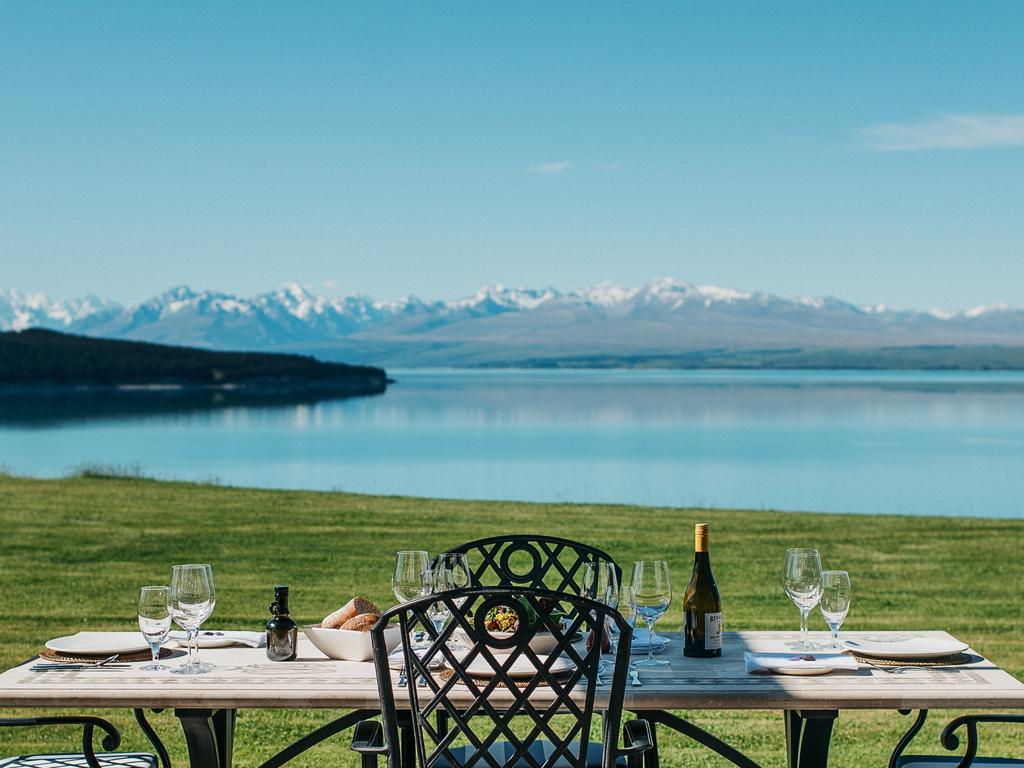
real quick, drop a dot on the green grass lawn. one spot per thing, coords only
(76, 550)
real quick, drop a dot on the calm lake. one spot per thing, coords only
(903, 443)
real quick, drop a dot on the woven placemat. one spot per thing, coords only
(955, 659)
(70, 658)
(447, 674)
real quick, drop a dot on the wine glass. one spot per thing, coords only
(192, 599)
(457, 564)
(411, 578)
(801, 578)
(650, 595)
(836, 594)
(599, 582)
(155, 622)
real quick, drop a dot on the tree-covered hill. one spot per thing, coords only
(38, 357)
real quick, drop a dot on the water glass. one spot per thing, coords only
(600, 582)
(801, 578)
(650, 595)
(441, 580)
(192, 599)
(155, 622)
(836, 594)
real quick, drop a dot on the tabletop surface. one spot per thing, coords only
(244, 678)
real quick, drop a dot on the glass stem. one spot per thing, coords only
(155, 648)
(803, 627)
(835, 636)
(650, 640)
(193, 651)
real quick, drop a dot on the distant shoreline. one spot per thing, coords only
(916, 358)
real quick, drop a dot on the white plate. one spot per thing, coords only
(205, 640)
(396, 660)
(811, 669)
(906, 646)
(521, 667)
(96, 643)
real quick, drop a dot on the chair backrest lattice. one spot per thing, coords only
(531, 560)
(524, 697)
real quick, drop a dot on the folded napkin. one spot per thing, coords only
(236, 636)
(642, 639)
(796, 662)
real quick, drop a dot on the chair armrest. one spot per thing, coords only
(111, 736)
(636, 737)
(951, 741)
(368, 738)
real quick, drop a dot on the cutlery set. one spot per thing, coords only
(47, 666)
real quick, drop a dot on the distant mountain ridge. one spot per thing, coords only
(498, 325)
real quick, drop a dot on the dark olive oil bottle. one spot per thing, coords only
(702, 605)
(282, 631)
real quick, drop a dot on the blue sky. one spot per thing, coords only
(873, 151)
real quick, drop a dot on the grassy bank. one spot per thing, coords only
(76, 551)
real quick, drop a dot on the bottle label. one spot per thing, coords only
(712, 631)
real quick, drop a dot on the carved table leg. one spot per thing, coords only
(808, 734)
(209, 734)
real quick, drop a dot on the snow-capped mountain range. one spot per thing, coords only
(499, 325)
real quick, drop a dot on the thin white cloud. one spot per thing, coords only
(551, 169)
(948, 132)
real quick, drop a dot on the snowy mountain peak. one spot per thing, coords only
(499, 296)
(603, 294)
(987, 309)
(678, 293)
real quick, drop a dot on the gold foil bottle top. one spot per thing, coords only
(700, 537)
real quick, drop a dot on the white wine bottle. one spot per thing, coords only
(702, 605)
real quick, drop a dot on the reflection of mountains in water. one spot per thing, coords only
(58, 406)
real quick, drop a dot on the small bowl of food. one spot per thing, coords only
(502, 622)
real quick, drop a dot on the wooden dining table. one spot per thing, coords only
(243, 678)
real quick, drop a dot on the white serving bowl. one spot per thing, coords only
(348, 645)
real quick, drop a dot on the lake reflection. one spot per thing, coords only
(907, 443)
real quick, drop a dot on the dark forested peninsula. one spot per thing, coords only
(42, 359)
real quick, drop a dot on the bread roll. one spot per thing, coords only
(349, 610)
(361, 623)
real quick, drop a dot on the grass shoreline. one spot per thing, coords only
(78, 548)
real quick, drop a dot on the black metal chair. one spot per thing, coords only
(951, 741)
(481, 694)
(88, 757)
(530, 560)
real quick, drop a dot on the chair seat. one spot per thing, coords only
(540, 751)
(77, 760)
(941, 761)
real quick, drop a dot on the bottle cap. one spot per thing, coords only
(700, 537)
(280, 604)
